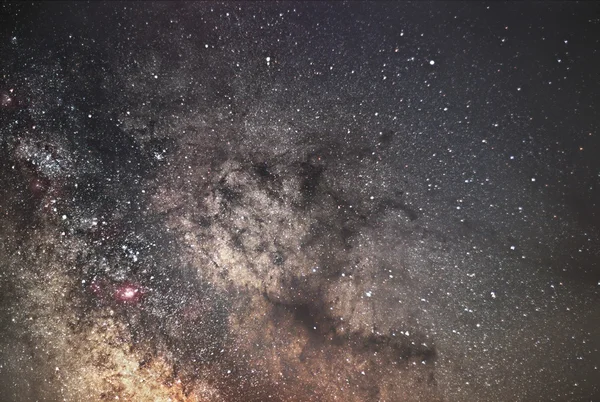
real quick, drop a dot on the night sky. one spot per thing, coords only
(300, 201)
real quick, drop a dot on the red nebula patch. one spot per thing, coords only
(106, 291)
(128, 293)
(39, 186)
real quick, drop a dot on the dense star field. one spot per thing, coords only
(299, 201)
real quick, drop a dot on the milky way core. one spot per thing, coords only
(299, 201)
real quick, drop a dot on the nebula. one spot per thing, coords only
(298, 202)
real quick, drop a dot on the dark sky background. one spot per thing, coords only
(299, 201)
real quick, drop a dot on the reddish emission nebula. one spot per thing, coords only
(299, 201)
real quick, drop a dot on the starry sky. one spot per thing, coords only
(299, 201)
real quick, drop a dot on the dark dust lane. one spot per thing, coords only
(299, 201)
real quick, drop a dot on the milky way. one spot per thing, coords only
(299, 201)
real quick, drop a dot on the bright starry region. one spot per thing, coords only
(299, 201)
